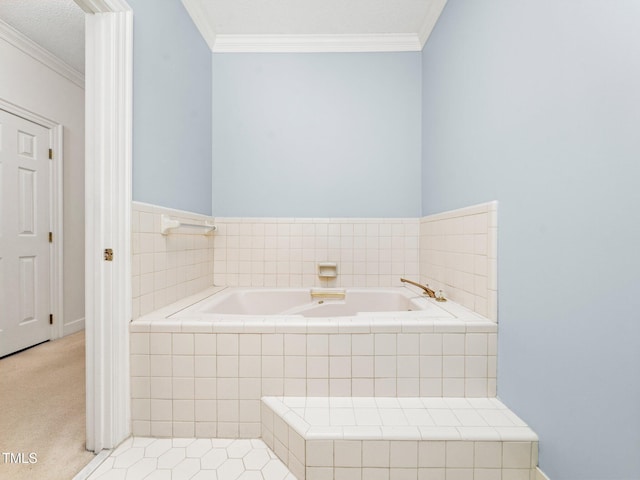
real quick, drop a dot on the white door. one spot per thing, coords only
(24, 233)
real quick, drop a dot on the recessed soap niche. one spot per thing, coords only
(327, 270)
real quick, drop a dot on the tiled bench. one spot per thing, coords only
(374, 438)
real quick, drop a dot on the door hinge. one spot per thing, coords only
(51, 319)
(50, 154)
(50, 237)
(108, 255)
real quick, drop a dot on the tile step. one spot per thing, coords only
(326, 438)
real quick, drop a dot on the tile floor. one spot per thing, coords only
(141, 458)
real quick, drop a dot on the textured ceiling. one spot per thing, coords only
(56, 25)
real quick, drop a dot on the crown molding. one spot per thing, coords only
(42, 55)
(200, 19)
(430, 19)
(103, 6)
(316, 43)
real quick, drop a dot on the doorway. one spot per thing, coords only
(24, 233)
(30, 208)
(108, 88)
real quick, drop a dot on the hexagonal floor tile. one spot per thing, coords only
(239, 448)
(192, 459)
(256, 459)
(231, 469)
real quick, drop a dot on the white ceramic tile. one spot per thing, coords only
(161, 410)
(319, 453)
(183, 366)
(339, 345)
(362, 387)
(317, 345)
(340, 367)
(362, 344)
(160, 365)
(295, 344)
(183, 344)
(272, 366)
(408, 344)
(362, 366)
(488, 455)
(140, 365)
(376, 453)
(160, 343)
(273, 344)
(139, 343)
(385, 366)
(385, 387)
(347, 453)
(476, 366)
(385, 344)
(459, 454)
(408, 366)
(453, 367)
(453, 344)
(161, 387)
(250, 344)
(317, 367)
(403, 454)
(453, 387)
(227, 366)
(368, 416)
(516, 455)
(227, 344)
(430, 344)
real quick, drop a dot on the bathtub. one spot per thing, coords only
(313, 302)
(200, 366)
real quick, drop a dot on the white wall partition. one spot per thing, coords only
(108, 206)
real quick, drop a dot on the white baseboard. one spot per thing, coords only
(73, 327)
(540, 475)
(93, 465)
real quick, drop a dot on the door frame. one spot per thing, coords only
(56, 225)
(108, 170)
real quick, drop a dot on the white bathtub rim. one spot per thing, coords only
(462, 320)
(422, 304)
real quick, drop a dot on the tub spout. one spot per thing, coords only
(426, 289)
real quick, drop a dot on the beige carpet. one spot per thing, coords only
(42, 410)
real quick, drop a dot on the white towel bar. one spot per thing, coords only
(167, 223)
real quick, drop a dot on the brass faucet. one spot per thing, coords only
(426, 289)
(439, 297)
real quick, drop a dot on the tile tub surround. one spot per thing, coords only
(387, 438)
(458, 254)
(192, 377)
(166, 268)
(454, 251)
(284, 252)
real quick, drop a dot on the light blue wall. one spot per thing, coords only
(171, 108)
(316, 135)
(537, 104)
